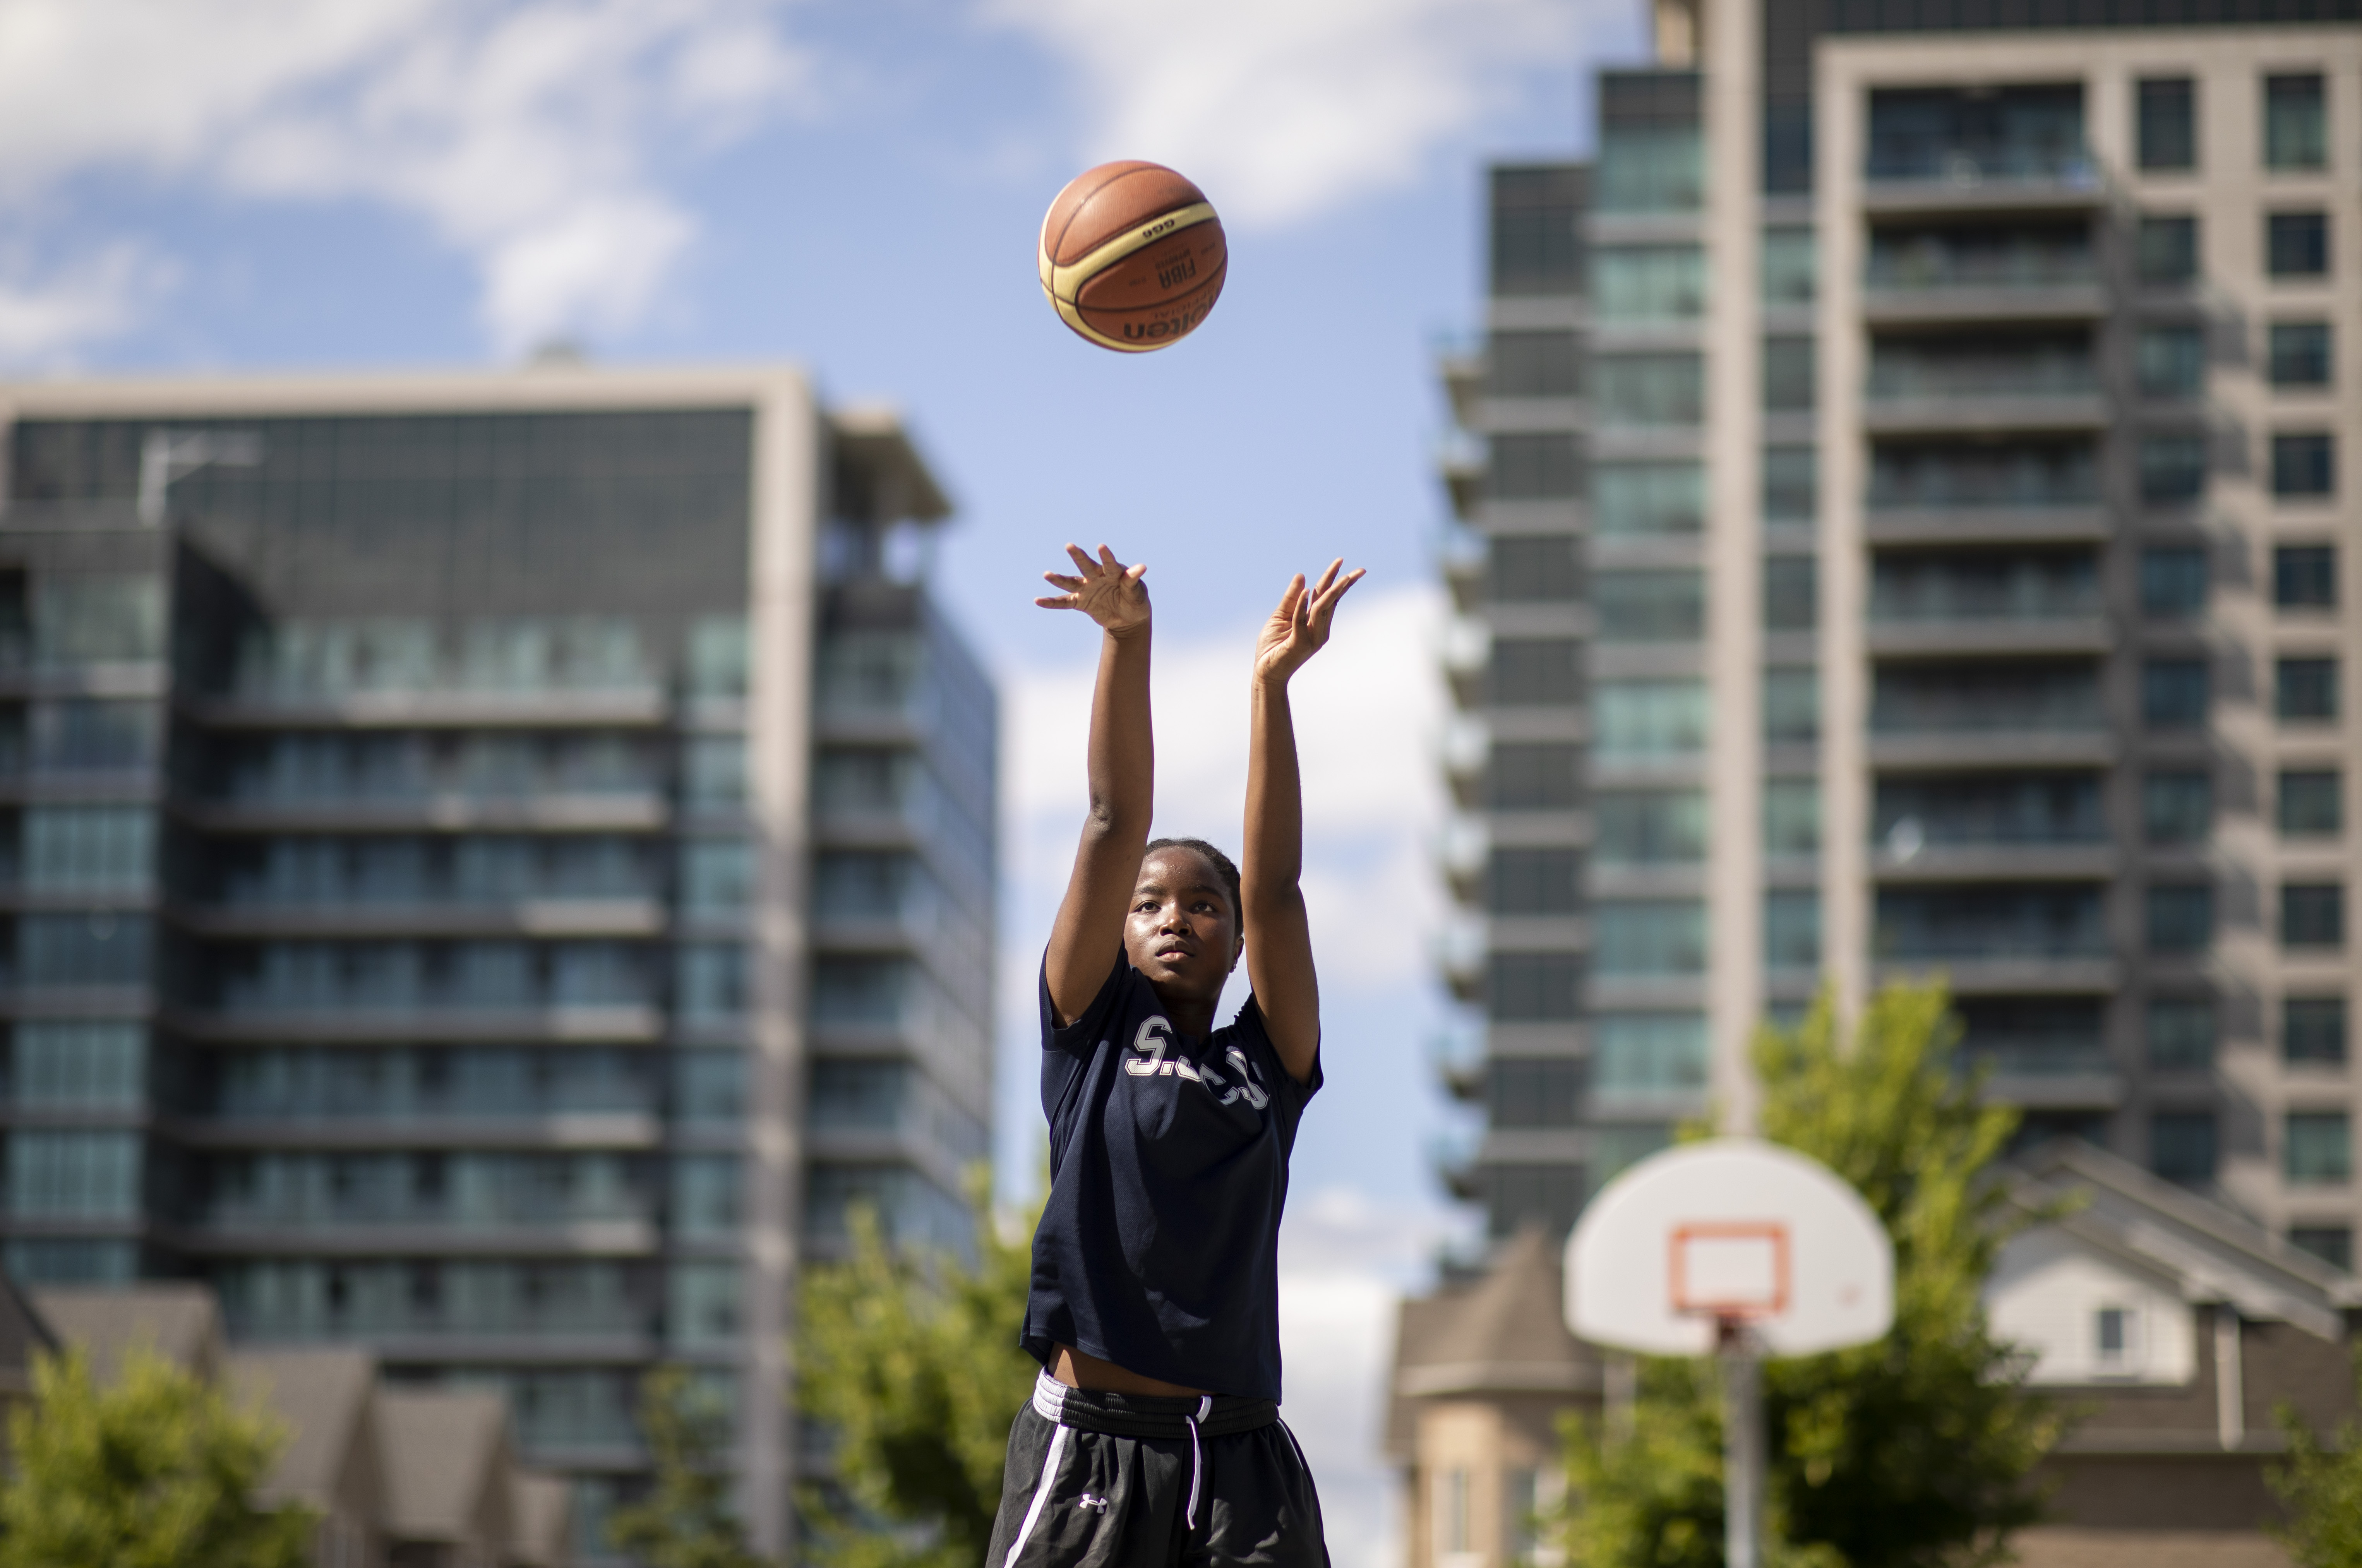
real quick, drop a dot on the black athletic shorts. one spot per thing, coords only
(1142, 1481)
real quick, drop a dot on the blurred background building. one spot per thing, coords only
(493, 864)
(1925, 551)
(1902, 528)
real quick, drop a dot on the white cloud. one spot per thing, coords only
(47, 313)
(522, 132)
(1284, 111)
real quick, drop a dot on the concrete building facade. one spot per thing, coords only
(1908, 527)
(496, 864)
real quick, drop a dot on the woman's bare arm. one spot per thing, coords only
(1279, 939)
(1122, 762)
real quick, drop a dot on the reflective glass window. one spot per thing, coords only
(2313, 1029)
(1647, 1053)
(2181, 1145)
(1651, 718)
(1648, 936)
(1651, 389)
(2296, 244)
(88, 848)
(1648, 827)
(2181, 1032)
(1531, 987)
(1532, 364)
(1792, 817)
(1533, 671)
(2166, 122)
(73, 1175)
(1532, 776)
(1648, 282)
(2304, 576)
(2304, 463)
(2165, 249)
(1531, 568)
(1791, 594)
(1648, 498)
(2312, 914)
(2296, 121)
(1791, 706)
(1788, 267)
(1533, 881)
(1535, 466)
(2318, 1148)
(2311, 802)
(2304, 690)
(2177, 807)
(1792, 929)
(2298, 354)
(2179, 917)
(1650, 606)
(2173, 581)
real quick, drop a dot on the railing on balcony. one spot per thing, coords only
(1915, 260)
(1947, 475)
(1981, 366)
(1914, 587)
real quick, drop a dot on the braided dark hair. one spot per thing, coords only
(1216, 858)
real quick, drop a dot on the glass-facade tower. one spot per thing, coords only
(493, 867)
(1958, 579)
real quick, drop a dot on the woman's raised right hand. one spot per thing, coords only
(1107, 591)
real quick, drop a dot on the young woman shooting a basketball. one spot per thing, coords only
(1154, 1434)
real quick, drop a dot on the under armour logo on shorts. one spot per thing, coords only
(1097, 1505)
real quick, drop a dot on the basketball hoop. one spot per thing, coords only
(1738, 1249)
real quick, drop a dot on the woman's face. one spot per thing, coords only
(1182, 934)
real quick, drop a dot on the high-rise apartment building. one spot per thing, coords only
(494, 864)
(1913, 531)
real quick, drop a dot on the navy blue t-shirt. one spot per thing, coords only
(1159, 1246)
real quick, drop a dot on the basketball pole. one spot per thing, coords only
(1742, 1443)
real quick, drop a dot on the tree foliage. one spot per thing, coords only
(686, 1520)
(2322, 1484)
(911, 1360)
(1915, 1451)
(157, 1469)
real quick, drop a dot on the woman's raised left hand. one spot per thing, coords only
(1299, 627)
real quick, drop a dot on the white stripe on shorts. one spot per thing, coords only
(1041, 1493)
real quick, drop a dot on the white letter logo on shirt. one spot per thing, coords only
(1150, 1043)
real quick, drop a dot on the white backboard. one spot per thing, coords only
(1732, 1228)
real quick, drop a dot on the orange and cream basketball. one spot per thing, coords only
(1132, 255)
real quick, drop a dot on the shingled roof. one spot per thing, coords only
(1502, 1332)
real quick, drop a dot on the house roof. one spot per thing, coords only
(322, 1399)
(1502, 1332)
(2205, 1250)
(179, 1320)
(441, 1449)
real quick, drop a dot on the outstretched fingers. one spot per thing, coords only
(1332, 588)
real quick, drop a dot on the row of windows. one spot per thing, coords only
(2293, 132)
(2169, 362)
(2175, 580)
(2178, 805)
(2167, 246)
(708, 980)
(689, 1305)
(2316, 1147)
(2183, 1032)
(2177, 693)
(2180, 918)
(311, 660)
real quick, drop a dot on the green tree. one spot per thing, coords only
(156, 1470)
(910, 1359)
(2322, 1484)
(1917, 1452)
(686, 1521)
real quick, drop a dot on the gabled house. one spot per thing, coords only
(2176, 1329)
(400, 1477)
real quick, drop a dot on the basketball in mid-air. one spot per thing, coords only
(1132, 255)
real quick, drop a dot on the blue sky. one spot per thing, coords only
(190, 184)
